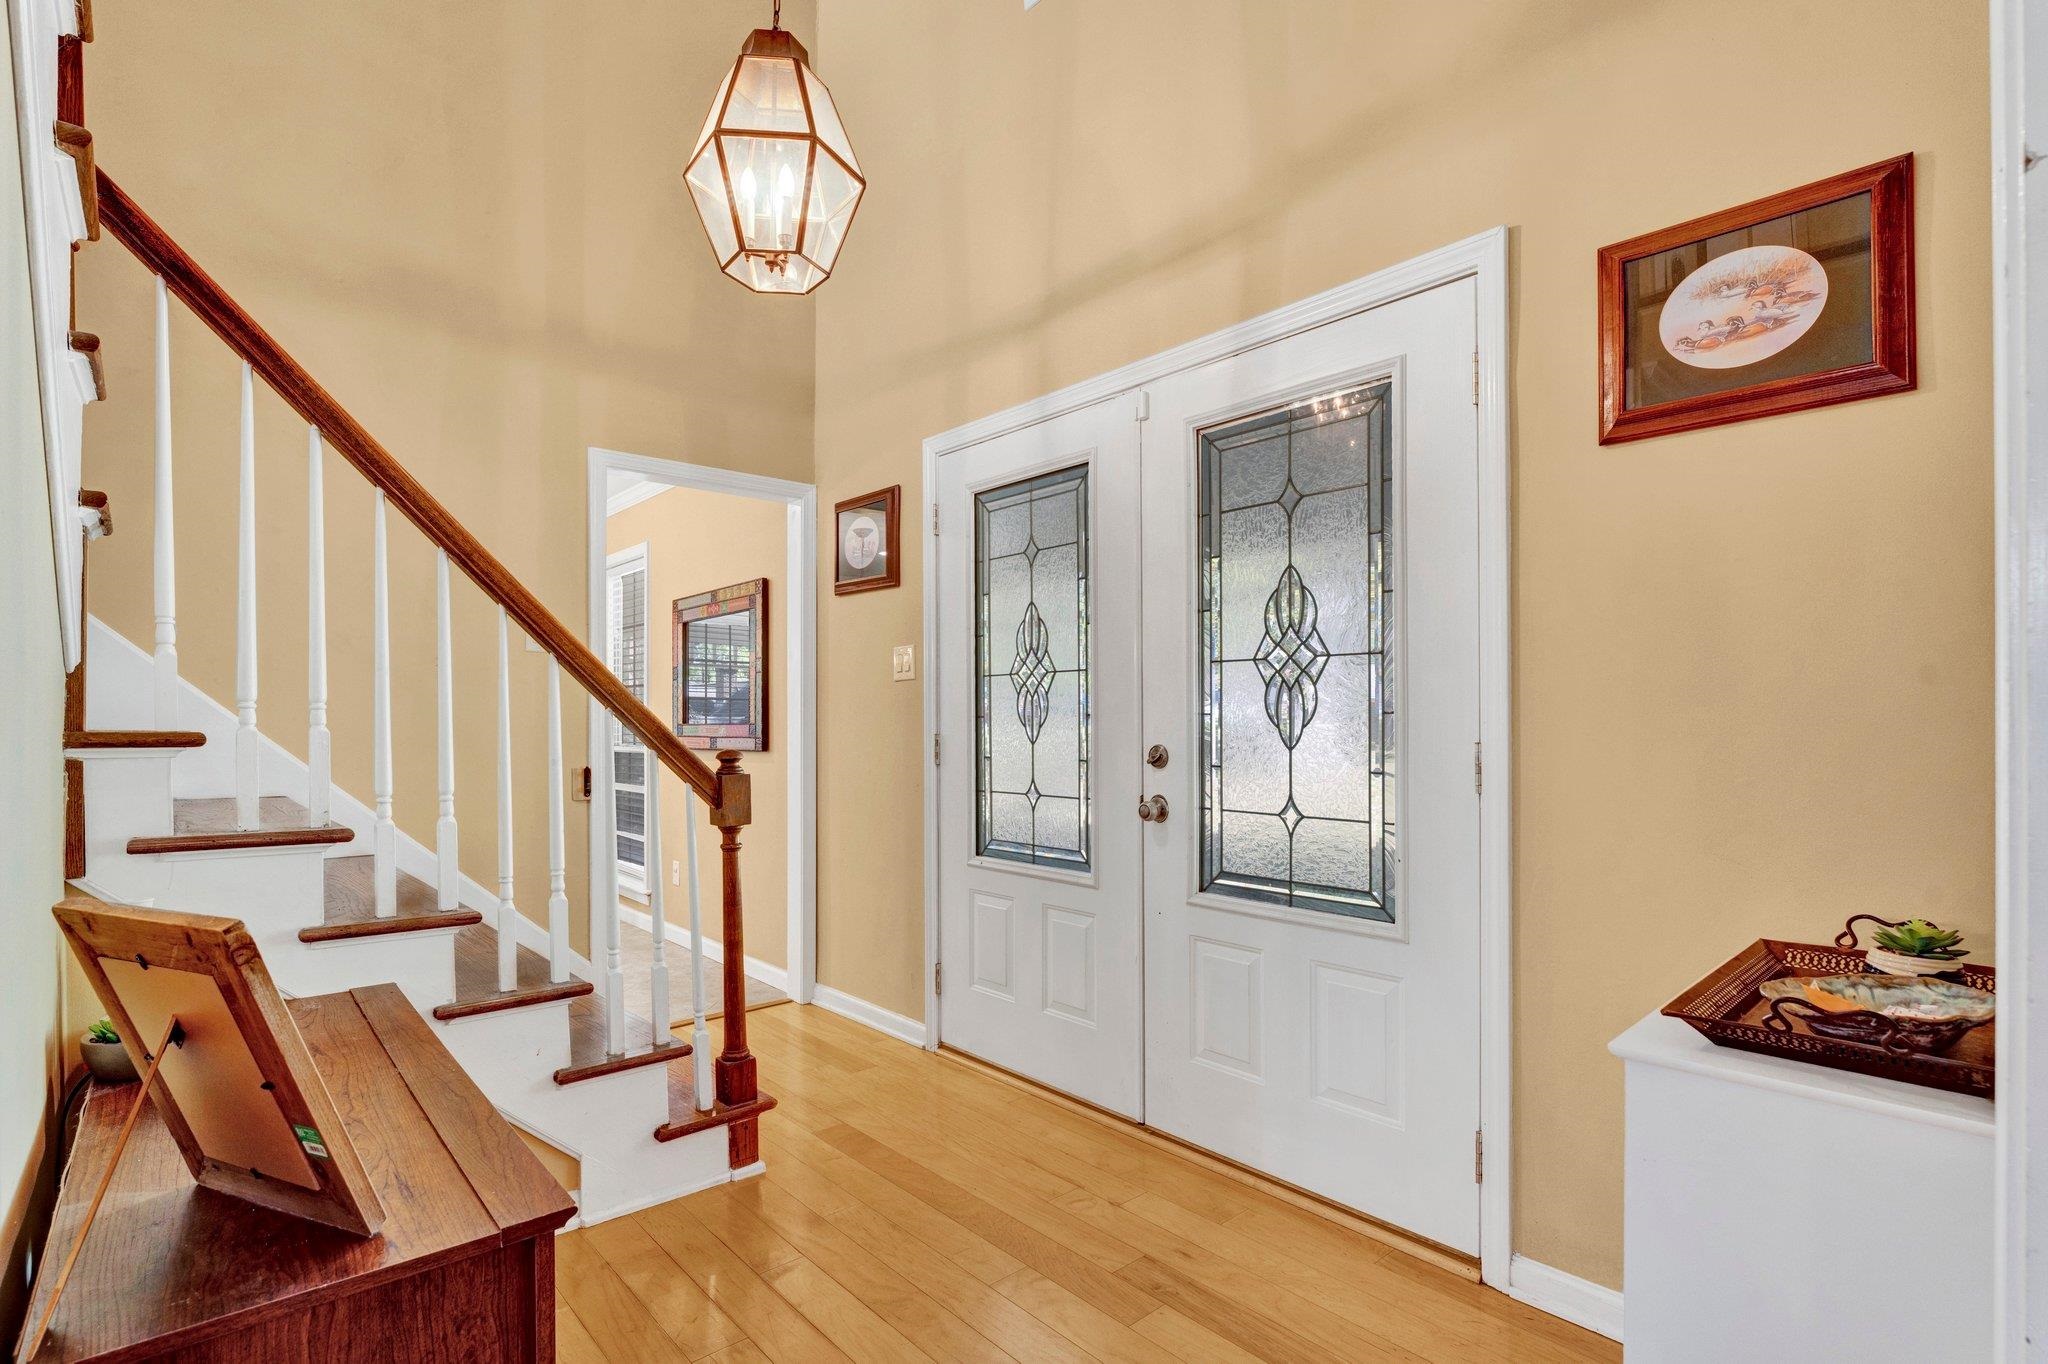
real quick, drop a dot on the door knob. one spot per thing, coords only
(1153, 810)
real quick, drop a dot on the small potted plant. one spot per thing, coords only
(1915, 948)
(105, 1056)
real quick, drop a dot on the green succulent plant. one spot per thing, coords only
(102, 1031)
(1918, 938)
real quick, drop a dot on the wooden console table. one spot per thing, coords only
(464, 1268)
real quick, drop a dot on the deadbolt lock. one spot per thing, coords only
(1156, 755)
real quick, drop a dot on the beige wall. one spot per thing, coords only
(697, 542)
(468, 222)
(32, 735)
(1753, 665)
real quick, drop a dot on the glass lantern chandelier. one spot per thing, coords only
(773, 175)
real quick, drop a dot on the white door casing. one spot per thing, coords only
(1041, 962)
(628, 623)
(1482, 375)
(1330, 1050)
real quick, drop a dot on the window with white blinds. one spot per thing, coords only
(626, 595)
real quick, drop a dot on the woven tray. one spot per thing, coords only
(1728, 1010)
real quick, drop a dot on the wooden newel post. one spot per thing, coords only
(736, 1079)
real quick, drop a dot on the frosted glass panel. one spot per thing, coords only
(1031, 670)
(1296, 660)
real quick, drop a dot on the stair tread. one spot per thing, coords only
(588, 1058)
(133, 738)
(683, 1117)
(207, 823)
(350, 906)
(476, 977)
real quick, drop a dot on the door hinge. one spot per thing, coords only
(935, 518)
(938, 977)
(1144, 405)
(1475, 378)
(1478, 1156)
(935, 748)
(1478, 769)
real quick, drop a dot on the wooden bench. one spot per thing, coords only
(463, 1269)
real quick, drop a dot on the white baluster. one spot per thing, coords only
(700, 1031)
(608, 880)
(449, 882)
(384, 835)
(558, 871)
(166, 538)
(248, 746)
(319, 743)
(508, 915)
(657, 971)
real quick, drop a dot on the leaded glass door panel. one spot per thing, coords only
(1036, 564)
(1296, 619)
(1310, 609)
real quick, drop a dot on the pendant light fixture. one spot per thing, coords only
(773, 175)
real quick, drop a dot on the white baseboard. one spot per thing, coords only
(766, 972)
(1579, 1301)
(873, 1015)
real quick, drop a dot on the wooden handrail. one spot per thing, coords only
(198, 290)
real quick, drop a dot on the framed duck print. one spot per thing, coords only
(1795, 301)
(868, 536)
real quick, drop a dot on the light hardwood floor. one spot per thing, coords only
(917, 1209)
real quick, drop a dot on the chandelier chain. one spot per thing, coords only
(777, 21)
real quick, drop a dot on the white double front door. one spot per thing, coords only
(1209, 708)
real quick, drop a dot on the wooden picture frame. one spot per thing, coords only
(745, 676)
(237, 1088)
(867, 539)
(1751, 321)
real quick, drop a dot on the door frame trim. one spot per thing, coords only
(800, 627)
(1482, 258)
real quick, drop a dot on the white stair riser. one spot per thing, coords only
(127, 795)
(264, 887)
(534, 1038)
(420, 964)
(630, 1170)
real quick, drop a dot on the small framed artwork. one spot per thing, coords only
(868, 541)
(721, 668)
(236, 1085)
(1795, 301)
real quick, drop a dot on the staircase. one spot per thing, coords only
(180, 801)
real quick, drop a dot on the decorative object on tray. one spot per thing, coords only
(720, 673)
(1795, 301)
(1912, 947)
(1732, 1008)
(1898, 1013)
(868, 536)
(105, 1057)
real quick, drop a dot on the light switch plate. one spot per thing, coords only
(903, 664)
